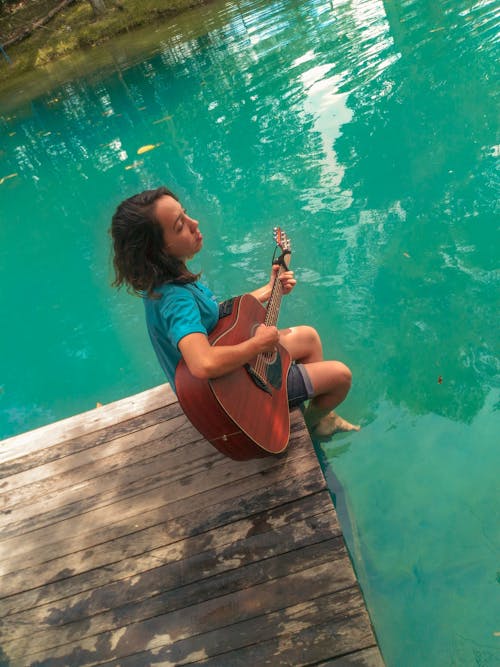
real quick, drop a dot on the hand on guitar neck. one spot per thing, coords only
(286, 279)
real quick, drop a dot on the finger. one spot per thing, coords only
(289, 285)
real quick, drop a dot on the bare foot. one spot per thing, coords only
(331, 424)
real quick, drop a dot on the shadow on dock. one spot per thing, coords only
(128, 540)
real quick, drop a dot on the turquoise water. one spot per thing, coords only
(369, 131)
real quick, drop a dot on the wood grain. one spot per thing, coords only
(127, 539)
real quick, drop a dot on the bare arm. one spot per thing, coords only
(206, 361)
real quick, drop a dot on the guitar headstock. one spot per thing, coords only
(284, 245)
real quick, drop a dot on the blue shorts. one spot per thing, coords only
(299, 385)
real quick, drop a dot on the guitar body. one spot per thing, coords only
(243, 417)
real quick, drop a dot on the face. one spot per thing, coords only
(180, 232)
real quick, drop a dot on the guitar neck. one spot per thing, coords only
(273, 306)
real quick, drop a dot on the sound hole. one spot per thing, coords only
(269, 357)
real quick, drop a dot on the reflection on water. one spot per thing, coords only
(369, 130)
(328, 107)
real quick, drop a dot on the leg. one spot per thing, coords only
(331, 381)
(303, 343)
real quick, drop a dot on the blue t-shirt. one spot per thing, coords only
(180, 310)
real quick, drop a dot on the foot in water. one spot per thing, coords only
(333, 423)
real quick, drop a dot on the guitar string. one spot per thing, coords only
(271, 318)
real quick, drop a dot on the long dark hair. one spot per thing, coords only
(140, 259)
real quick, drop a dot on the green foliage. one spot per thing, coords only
(74, 28)
(16, 15)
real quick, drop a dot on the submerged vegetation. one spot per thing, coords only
(37, 32)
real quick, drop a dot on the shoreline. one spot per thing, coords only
(49, 57)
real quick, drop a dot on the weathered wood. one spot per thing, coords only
(38, 458)
(369, 657)
(279, 521)
(182, 610)
(182, 466)
(304, 647)
(74, 551)
(87, 422)
(184, 621)
(77, 471)
(67, 576)
(184, 504)
(127, 539)
(80, 474)
(200, 558)
(62, 459)
(220, 643)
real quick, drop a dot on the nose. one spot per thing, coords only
(193, 224)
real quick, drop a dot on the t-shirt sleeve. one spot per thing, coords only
(181, 316)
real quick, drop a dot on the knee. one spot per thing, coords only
(310, 335)
(344, 375)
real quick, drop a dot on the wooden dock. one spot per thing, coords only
(127, 540)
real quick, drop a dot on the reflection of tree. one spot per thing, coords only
(421, 147)
(432, 109)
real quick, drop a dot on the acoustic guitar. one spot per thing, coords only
(244, 414)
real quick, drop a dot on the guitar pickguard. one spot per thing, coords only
(275, 372)
(257, 379)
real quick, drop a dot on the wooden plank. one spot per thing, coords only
(72, 472)
(45, 454)
(147, 622)
(86, 422)
(176, 520)
(304, 647)
(140, 544)
(121, 597)
(114, 466)
(129, 484)
(123, 475)
(224, 550)
(369, 657)
(82, 482)
(219, 645)
(32, 472)
(181, 469)
(175, 544)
